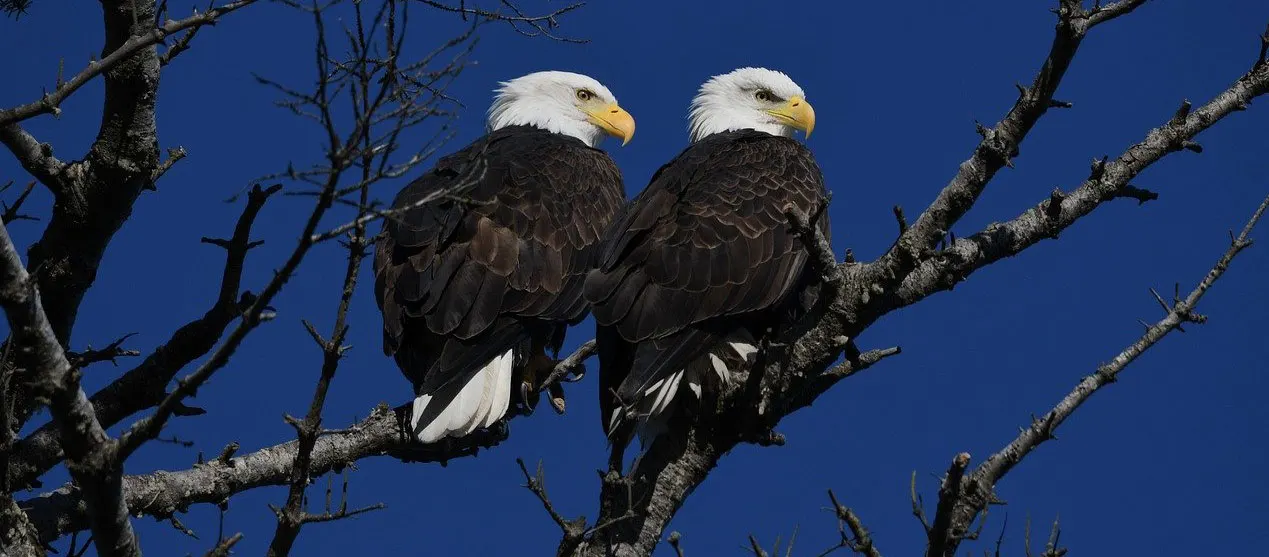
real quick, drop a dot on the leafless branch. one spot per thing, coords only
(108, 354)
(222, 548)
(755, 547)
(573, 530)
(1000, 143)
(918, 505)
(572, 368)
(966, 255)
(331, 514)
(976, 491)
(17, 536)
(292, 517)
(789, 373)
(11, 211)
(35, 157)
(89, 450)
(181, 45)
(859, 540)
(146, 385)
(160, 494)
(675, 541)
(949, 492)
(50, 102)
(804, 227)
(174, 155)
(538, 25)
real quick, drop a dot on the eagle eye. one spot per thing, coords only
(764, 96)
(584, 95)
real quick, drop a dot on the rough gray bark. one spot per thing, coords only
(162, 494)
(18, 537)
(50, 377)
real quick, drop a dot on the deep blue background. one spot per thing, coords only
(1169, 461)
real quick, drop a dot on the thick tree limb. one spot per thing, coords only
(90, 452)
(973, 494)
(35, 157)
(1000, 143)
(146, 385)
(18, 537)
(161, 494)
(95, 195)
(910, 271)
(1046, 220)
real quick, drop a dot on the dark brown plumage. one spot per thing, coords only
(693, 271)
(497, 266)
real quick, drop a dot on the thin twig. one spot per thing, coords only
(50, 102)
(536, 483)
(222, 548)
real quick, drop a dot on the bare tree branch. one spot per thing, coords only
(859, 540)
(791, 365)
(1048, 219)
(538, 25)
(15, 7)
(110, 353)
(385, 432)
(1000, 143)
(49, 103)
(675, 541)
(146, 385)
(35, 157)
(93, 197)
(11, 212)
(292, 517)
(18, 537)
(222, 548)
(971, 496)
(90, 452)
(572, 530)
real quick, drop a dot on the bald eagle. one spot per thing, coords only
(477, 286)
(693, 272)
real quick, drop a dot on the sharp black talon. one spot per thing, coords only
(575, 375)
(526, 391)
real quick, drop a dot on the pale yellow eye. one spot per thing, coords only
(764, 96)
(584, 95)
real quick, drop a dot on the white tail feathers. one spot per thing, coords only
(480, 403)
(654, 408)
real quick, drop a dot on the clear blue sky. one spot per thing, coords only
(1169, 461)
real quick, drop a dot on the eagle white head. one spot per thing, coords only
(750, 98)
(561, 102)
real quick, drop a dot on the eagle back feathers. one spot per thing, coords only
(704, 249)
(463, 278)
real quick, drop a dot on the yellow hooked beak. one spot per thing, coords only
(796, 112)
(614, 120)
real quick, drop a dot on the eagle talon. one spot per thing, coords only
(574, 376)
(528, 397)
